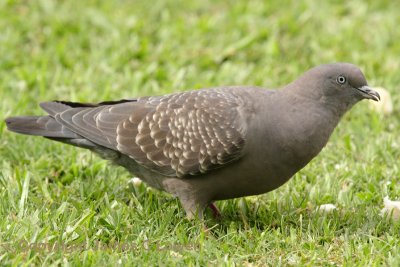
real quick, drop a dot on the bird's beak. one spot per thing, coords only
(369, 93)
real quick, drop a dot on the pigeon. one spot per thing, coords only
(210, 144)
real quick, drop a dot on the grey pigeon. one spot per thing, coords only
(210, 144)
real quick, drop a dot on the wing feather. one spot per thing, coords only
(180, 134)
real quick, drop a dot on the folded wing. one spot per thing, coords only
(180, 134)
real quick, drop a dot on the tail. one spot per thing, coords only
(45, 126)
(49, 127)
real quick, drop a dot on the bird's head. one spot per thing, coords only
(342, 84)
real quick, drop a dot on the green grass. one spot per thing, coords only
(51, 193)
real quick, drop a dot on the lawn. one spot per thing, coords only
(61, 205)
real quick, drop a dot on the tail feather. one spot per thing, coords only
(54, 107)
(49, 127)
(39, 125)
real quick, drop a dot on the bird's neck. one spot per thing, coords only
(305, 128)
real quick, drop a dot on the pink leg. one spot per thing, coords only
(215, 211)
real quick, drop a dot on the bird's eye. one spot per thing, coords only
(341, 79)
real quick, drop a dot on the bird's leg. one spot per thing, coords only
(215, 211)
(193, 209)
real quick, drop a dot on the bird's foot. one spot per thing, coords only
(216, 213)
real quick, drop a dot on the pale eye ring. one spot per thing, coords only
(341, 79)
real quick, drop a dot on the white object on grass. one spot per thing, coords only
(136, 181)
(327, 208)
(385, 106)
(391, 209)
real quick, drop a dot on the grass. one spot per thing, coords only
(64, 206)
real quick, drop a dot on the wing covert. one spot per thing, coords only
(180, 134)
